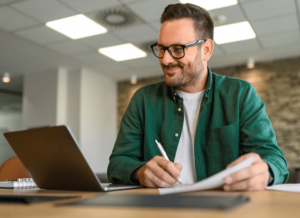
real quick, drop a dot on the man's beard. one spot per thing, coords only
(189, 74)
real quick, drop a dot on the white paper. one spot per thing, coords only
(214, 181)
(285, 187)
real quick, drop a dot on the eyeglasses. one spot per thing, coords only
(176, 51)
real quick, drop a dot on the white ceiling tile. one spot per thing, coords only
(150, 10)
(130, 1)
(137, 34)
(12, 20)
(141, 62)
(3, 2)
(279, 40)
(217, 51)
(100, 41)
(156, 25)
(242, 1)
(91, 5)
(44, 10)
(276, 25)
(110, 67)
(69, 48)
(93, 58)
(233, 14)
(42, 35)
(258, 10)
(241, 46)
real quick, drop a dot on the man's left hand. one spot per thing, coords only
(252, 178)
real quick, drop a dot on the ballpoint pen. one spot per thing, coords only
(164, 154)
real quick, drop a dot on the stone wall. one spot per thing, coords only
(276, 82)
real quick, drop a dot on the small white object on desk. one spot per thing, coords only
(19, 184)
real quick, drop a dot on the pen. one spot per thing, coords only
(164, 154)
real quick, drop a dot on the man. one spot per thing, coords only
(204, 121)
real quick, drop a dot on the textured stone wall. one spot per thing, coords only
(276, 82)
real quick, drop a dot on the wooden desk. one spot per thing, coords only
(266, 204)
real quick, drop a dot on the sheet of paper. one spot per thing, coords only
(214, 181)
(285, 187)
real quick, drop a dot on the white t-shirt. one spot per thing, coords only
(185, 149)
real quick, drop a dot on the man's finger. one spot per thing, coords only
(178, 166)
(160, 183)
(244, 157)
(246, 173)
(169, 168)
(153, 181)
(246, 184)
(159, 172)
(259, 187)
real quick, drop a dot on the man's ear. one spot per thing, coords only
(207, 49)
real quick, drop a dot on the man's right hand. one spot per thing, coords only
(158, 172)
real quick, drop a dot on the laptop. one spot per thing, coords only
(53, 159)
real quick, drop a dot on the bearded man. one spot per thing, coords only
(204, 121)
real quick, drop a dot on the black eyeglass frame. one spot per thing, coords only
(198, 42)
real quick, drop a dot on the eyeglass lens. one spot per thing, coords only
(176, 50)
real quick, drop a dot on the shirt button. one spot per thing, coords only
(175, 94)
(179, 109)
(176, 134)
(174, 98)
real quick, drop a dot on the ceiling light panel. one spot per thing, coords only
(75, 27)
(233, 32)
(211, 4)
(123, 52)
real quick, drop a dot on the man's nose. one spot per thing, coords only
(167, 58)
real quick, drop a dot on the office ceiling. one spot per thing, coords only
(28, 46)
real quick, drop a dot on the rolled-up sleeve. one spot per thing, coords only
(127, 154)
(257, 134)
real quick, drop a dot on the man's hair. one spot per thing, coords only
(203, 23)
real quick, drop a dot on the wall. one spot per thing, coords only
(81, 99)
(98, 118)
(276, 82)
(39, 99)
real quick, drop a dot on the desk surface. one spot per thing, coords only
(266, 204)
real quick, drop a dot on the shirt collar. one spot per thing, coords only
(208, 86)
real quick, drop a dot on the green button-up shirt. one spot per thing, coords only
(232, 121)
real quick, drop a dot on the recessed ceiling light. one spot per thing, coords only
(123, 52)
(211, 4)
(6, 77)
(75, 27)
(233, 32)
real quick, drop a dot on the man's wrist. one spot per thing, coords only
(271, 179)
(134, 177)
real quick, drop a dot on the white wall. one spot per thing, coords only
(39, 99)
(82, 99)
(98, 118)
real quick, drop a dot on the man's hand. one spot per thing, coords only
(252, 178)
(158, 172)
